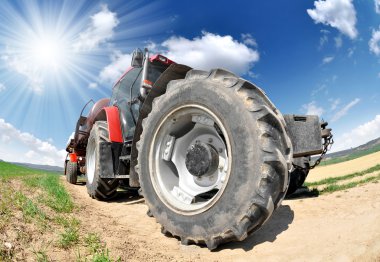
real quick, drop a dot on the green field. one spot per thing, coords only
(351, 156)
(344, 182)
(38, 202)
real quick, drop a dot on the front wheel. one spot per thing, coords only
(213, 158)
(97, 187)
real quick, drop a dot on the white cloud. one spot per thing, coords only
(321, 89)
(31, 154)
(99, 31)
(112, 72)
(327, 59)
(334, 103)
(205, 52)
(359, 135)
(313, 109)
(2, 87)
(377, 6)
(340, 14)
(212, 51)
(37, 151)
(25, 68)
(249, 40)
(324, 38)
(351, 51)
(374, 42)
(338, 41)
(92, 85)
(5, 139)
(338, 115)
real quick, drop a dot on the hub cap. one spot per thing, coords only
(189, 159)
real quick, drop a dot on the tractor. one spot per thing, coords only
(210, 153)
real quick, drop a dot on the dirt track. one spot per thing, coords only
(343, 226)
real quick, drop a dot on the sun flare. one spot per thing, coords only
(48, 53)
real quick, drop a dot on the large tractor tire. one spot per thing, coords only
(213, 159)
(298, 174)
(97, 187)
(71, 172)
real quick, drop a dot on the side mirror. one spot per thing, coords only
(137, 58)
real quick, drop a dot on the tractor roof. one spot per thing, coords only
(155, 58)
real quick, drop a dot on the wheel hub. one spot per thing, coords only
(201, 159)
(190, 159)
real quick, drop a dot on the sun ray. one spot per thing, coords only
(46, 79)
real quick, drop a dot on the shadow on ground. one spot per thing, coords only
(123, 195)
(304, 192)
(278, 223)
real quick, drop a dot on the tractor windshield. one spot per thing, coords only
(126, 92)
(123, 96)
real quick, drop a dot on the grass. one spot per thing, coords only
(334, 187)
(93, 242)
(29, 209)
(5, 208)
(41, 254)
(351, 156)
(57, 197)
(333, 180)
(69, 237)
(103, 256)
(331, 184)
(8, 170)
(30, 198)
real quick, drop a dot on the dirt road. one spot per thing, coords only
(343, 226)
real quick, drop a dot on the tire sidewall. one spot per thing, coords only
(71, 172)
(92, 186)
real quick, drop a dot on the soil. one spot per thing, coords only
(343, 226)
(343, 168)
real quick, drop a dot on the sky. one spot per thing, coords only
(311, 57)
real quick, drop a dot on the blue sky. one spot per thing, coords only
(311, 57)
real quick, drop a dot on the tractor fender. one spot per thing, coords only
(111, 115)
(173, 72)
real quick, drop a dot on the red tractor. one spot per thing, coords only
(212, 155)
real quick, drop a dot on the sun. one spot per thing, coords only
(48, 53)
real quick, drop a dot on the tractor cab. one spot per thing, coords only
(131, 89)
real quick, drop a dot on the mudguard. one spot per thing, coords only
(113, 121)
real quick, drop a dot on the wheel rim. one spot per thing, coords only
(175, 182)
(90, 161)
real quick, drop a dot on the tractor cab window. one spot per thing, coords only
(126, 92)
(122, 90)
(155, 70)
(123, 96)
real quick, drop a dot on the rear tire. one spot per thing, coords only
(259, 158)
(97, 187)
(71, 172)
